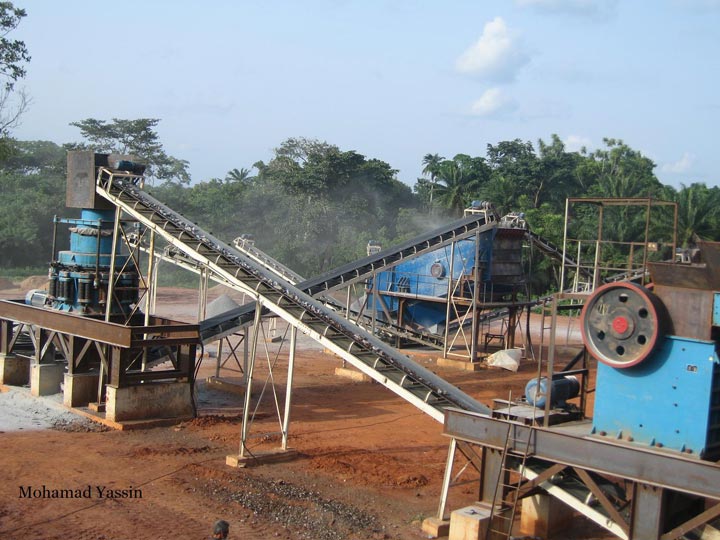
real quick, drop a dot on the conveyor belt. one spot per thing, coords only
(367, 353)
(245, 316)
(364, 268)
(354, 272)
(275, 266)
(556, 252)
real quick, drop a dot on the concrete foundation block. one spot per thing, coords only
(544, 516)
(14, 370)
(80, 389)
(146, 401)
(278, 455)
(470, 523)
(435, 528)
(45, 379)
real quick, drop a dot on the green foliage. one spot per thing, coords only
(135, 137)
(314, 206)
(698, 213)
(13, 53)
(33, 188)
(549, 224)
(454, 182)
(13, 57)
(619, 171)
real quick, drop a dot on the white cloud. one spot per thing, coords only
(496, 56)
(590, 9)
(574, 143)
(683, 165)
(493, 102)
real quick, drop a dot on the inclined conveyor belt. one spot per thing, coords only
(354, 272)
(268, 262)
(364, 268)
(237, 318)
(556, 252)
(389, 367)
(245, 316)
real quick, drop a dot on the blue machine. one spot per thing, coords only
(658, 376)
(562, 389)
(421, 284)
(415, 292)
(670, 400)
(79, 277)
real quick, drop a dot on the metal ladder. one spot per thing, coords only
(505, 497)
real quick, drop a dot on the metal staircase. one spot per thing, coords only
(387, 366)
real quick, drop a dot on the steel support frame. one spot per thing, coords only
(594, 271)
(132, 262)
(653, 474)
(88, 344)
(297, 305)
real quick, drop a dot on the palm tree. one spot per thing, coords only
(431, 167)
(452, 186)
(698, 213)
(235, 175)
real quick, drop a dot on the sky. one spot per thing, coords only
(230, 80)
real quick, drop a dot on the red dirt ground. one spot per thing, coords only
(369, 465)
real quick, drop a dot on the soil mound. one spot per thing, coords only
(34, 282)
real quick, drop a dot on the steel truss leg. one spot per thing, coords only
(699, 520)
(249, 375)
(288, 388)
(647, 512)
(446, 479)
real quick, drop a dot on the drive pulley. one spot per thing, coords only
(622, 324)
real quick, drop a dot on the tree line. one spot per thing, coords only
(314, 206)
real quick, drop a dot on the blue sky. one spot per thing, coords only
(393, 80)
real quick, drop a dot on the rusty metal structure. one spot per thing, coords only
(641, 462)
(638, 476)
(86, 333)
(111, 187)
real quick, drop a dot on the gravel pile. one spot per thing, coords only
(304, 512)
(19, 411)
